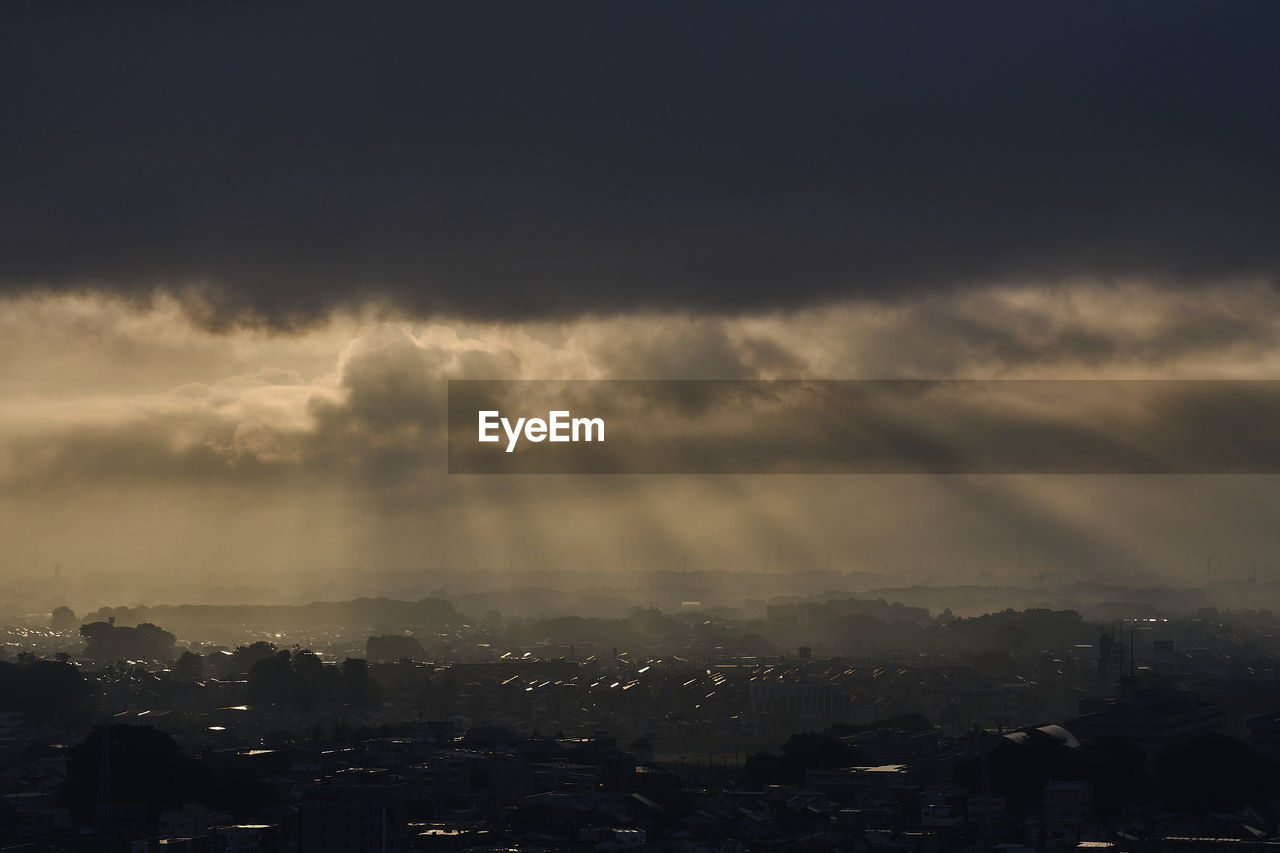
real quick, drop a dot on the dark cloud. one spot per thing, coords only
(520, 159)
(1090, 328)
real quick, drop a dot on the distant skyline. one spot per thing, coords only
(242, 249)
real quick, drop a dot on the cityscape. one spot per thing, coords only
(821, 721)
(938, 347)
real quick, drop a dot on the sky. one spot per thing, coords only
(242, 248)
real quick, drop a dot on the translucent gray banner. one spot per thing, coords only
(864, 427)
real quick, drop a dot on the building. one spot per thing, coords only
(356, 811)
(1151, 719)
(885, 776)
(814, 700)
(1264, 734)
(10, 722)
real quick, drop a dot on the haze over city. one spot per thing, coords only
(253, 598)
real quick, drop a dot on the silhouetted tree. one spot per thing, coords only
(754, 644)
(1212, 773)
(1117, 768)
(313, 682)
(109, 642)
(1020, 771)
(271, 679)
(189, 666)
(392, 647)
(801, 753)
(64, 620)
(244, 657)
(814, 751)
(147, 767)
(299, 679)
(45, 690)
(357, 687)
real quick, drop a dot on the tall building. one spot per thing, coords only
(356, 811)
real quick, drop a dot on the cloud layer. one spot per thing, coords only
(95, 387)
(544, 161)
(136, 439)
